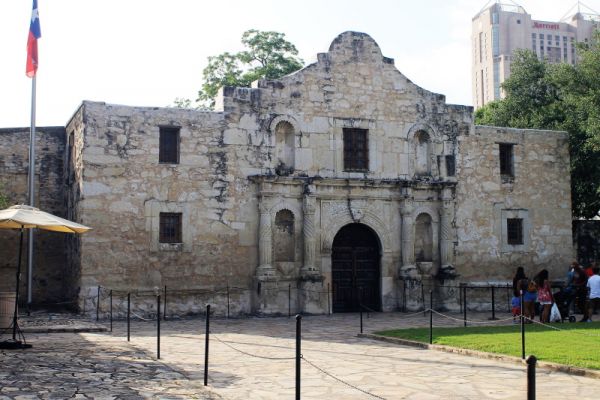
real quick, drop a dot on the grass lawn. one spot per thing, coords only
(572, 346)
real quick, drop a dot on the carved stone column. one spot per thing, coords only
(446, 236)
(308, 230)
(408, 269)
(265, 243)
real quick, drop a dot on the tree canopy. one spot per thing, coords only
(266, 55)
(565, 97)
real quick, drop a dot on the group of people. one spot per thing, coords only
(582, 285)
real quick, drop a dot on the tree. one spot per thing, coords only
(560, 97)
(267, 55)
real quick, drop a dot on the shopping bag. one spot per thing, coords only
(555, 314)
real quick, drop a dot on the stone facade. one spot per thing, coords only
(325, 188)
(49, 279)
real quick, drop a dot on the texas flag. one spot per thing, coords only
(34, 34)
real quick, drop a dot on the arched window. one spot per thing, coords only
(285, 146)
(423, 238)
(283, 236)
(422, 151)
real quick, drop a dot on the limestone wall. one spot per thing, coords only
(263, 189)
(49, 251)
(539, 194)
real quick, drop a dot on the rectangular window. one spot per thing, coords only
(514, 231)
(506, 159)
(496, 80)
(450, 166)
(170, 228)
(495, 41)
(356, 151)
(480, 47)
(169, 145)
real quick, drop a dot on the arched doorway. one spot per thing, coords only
(355, 269)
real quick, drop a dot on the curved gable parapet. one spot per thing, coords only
(352, 46)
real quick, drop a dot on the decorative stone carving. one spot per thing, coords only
(265, 268)
(408, 268)
(446, 236)
(308, 229)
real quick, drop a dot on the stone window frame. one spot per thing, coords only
(153, 209)
(170, 227)
(506, 160)
(515, 213)
(163, 156)
(355, 159)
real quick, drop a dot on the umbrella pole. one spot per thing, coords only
(15, 315)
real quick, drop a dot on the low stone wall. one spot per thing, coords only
(49, 284)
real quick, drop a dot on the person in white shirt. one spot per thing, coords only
(593, 286)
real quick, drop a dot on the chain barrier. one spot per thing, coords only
(469, 320)
(341, 380)
(558, 329)
(250, 354)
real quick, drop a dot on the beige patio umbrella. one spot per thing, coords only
(25, 217)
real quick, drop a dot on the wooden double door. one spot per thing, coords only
(355, 269)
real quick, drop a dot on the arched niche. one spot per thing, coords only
(285, 136)
(422, 153)
(423, 238)
(284, 248)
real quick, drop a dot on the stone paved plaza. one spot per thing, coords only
(103, 365)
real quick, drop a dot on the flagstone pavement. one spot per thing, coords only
(253, 358)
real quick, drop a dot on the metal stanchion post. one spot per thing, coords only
(228, 300)
(423, 298)
(403, 295)
(111, 312)
(522, 329)
(328, 300)
(361, 318)
(431, 317)
(465, 305)
(158, 327)
(98, 305)
(128, 316)
(531, 361)
(298, 353)
(206, 334)
(508, 298)
(493, 304)
(165, 305)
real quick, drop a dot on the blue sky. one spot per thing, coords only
(148, 52)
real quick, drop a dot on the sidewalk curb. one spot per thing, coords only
(480, 354)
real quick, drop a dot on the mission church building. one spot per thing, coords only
(344, 174)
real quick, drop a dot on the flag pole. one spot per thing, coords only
(31, 192)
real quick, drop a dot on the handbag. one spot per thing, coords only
(555, 314)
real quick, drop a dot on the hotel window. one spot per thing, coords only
(541, 36)
(356, 151)
(514, 231)
(168, 152)
(496, 80)
(506, 160)
(495, 41)
(170, 228)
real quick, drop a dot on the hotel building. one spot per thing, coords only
(501, 28)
